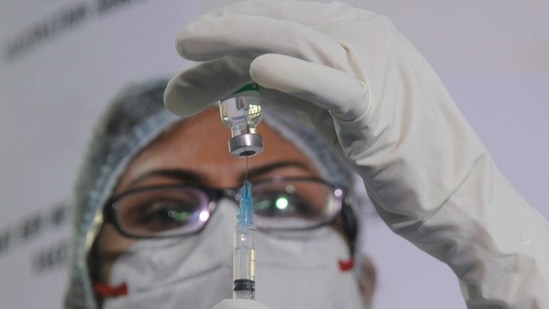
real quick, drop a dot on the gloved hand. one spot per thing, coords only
(239, 304)
(381, 107)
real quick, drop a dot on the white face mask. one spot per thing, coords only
(293, 270)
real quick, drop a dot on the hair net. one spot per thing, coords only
(133, 120)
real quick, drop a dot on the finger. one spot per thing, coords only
(300, 109)
(305, 112)
(194, 89)
(250, 36)
(297, 11)
(345, 96)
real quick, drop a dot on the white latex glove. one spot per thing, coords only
(240, 304)
(381, 107)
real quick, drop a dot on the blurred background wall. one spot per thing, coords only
(62, 60)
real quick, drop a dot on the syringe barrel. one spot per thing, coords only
(244, 253)
(244, 261)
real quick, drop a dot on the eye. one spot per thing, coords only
(166, 214)
(168, 211)
(152, 211)
(281, 205)
(295, 203)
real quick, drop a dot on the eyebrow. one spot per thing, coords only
(264, 169)
(174, 173)
(189, 176)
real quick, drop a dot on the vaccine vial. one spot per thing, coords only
(241, 112)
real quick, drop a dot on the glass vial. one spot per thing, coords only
(241, 112)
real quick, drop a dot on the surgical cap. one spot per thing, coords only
(131, 122)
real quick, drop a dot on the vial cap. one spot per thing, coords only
(248, 87)
(245, 145)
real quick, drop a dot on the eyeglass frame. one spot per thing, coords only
(213, 196)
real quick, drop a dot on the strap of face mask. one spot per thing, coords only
(349, 225)
(105, 290)
(346, 265)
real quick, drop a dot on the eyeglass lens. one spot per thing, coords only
(179, 210)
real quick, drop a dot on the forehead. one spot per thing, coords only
(200, 145)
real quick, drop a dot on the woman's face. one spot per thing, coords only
(197, 149)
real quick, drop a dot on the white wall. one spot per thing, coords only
(51, 95)
(493, 56)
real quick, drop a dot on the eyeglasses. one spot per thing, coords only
(177, 210)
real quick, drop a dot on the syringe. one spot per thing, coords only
(244, 251)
